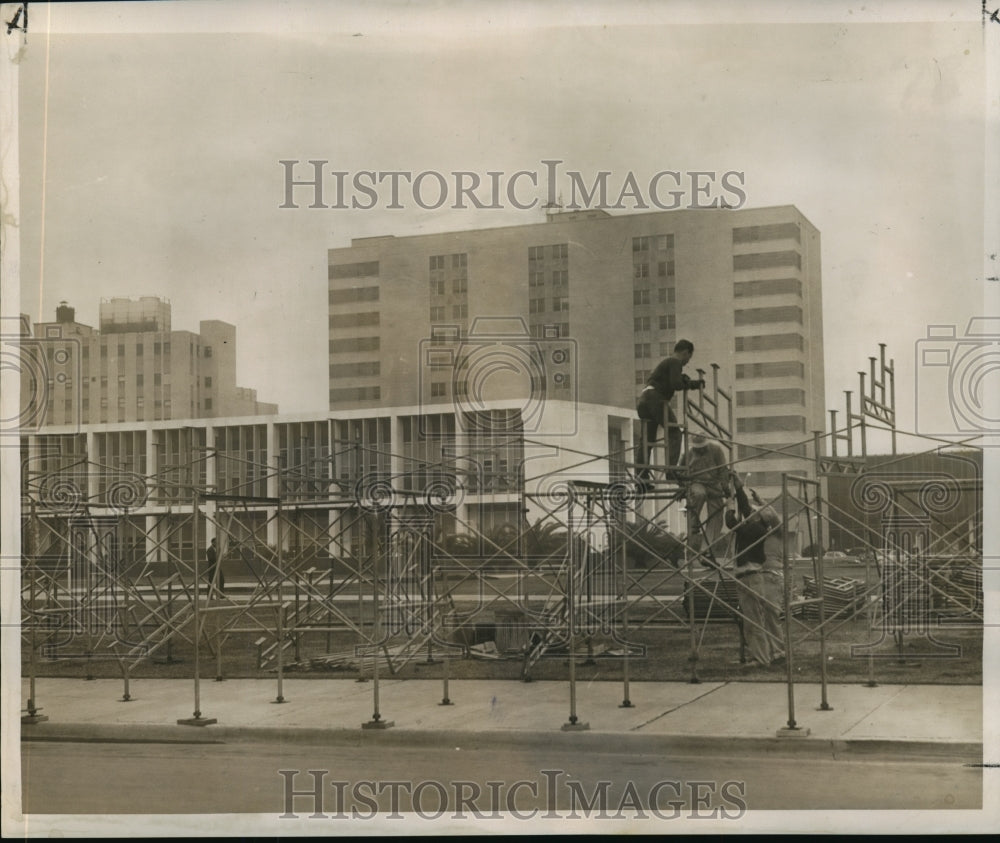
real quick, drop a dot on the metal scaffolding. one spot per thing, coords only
(408, 567)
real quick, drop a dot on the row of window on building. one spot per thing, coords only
(741, 289)
(540, 259)
(159, 379)
(664, 295)
(557, 277)
(560, 251)
(664, 269)
(641, 297)
(766, 342)
(77, 410)
(159, 348)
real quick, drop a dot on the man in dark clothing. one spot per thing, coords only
(212, 555)
(666, 379)
(748, 528)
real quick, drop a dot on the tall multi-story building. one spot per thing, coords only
(135, 368)
(473, 375)
(421, 321)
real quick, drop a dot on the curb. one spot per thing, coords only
(602, 742)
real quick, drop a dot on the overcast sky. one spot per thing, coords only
(160, 149)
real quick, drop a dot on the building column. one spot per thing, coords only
(211, 464)
(34, 450)
(92, 478)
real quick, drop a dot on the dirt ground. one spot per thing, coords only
(853, 653)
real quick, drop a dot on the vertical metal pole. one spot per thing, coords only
(689, 561)
(427, 538)
(377, 722)
(891, 372)
(32, 555)
(682, 422)
(197, 719)
(573, 724)
(295, 635)
(869, 613)
(329, 603)
(850, 424)
(692, 622)
(787, 601)
(218, 650)
(170, 621)
(731, 431)
(571, 613)
(89, 622)
(821, 582)
(197, 609)
(444, 668)
(217, 616)
(32, 561)
(667, 428)
(861, 409)
(376, 624)
(118, 572)
(833, 433)
(361, 598)
(623, 591)
(123, 575)
(361, 604)
(281, 611)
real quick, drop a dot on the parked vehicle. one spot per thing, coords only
(864, 555)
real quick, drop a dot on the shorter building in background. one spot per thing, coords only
(133, 368)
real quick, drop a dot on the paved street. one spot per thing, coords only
(244, 777)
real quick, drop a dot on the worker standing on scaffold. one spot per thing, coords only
(708, 489)
(758, 537)
(667, 378)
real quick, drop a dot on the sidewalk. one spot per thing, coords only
(910, 720)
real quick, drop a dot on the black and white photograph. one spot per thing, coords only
(452, 418)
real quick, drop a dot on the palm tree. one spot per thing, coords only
(648, 544)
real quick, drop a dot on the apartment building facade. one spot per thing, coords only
(577, 310)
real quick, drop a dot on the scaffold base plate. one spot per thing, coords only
(31, 719)
(797, 732)
(378, 724)
(575, 727)
(197, 721)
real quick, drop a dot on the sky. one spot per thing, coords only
(150, 142)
